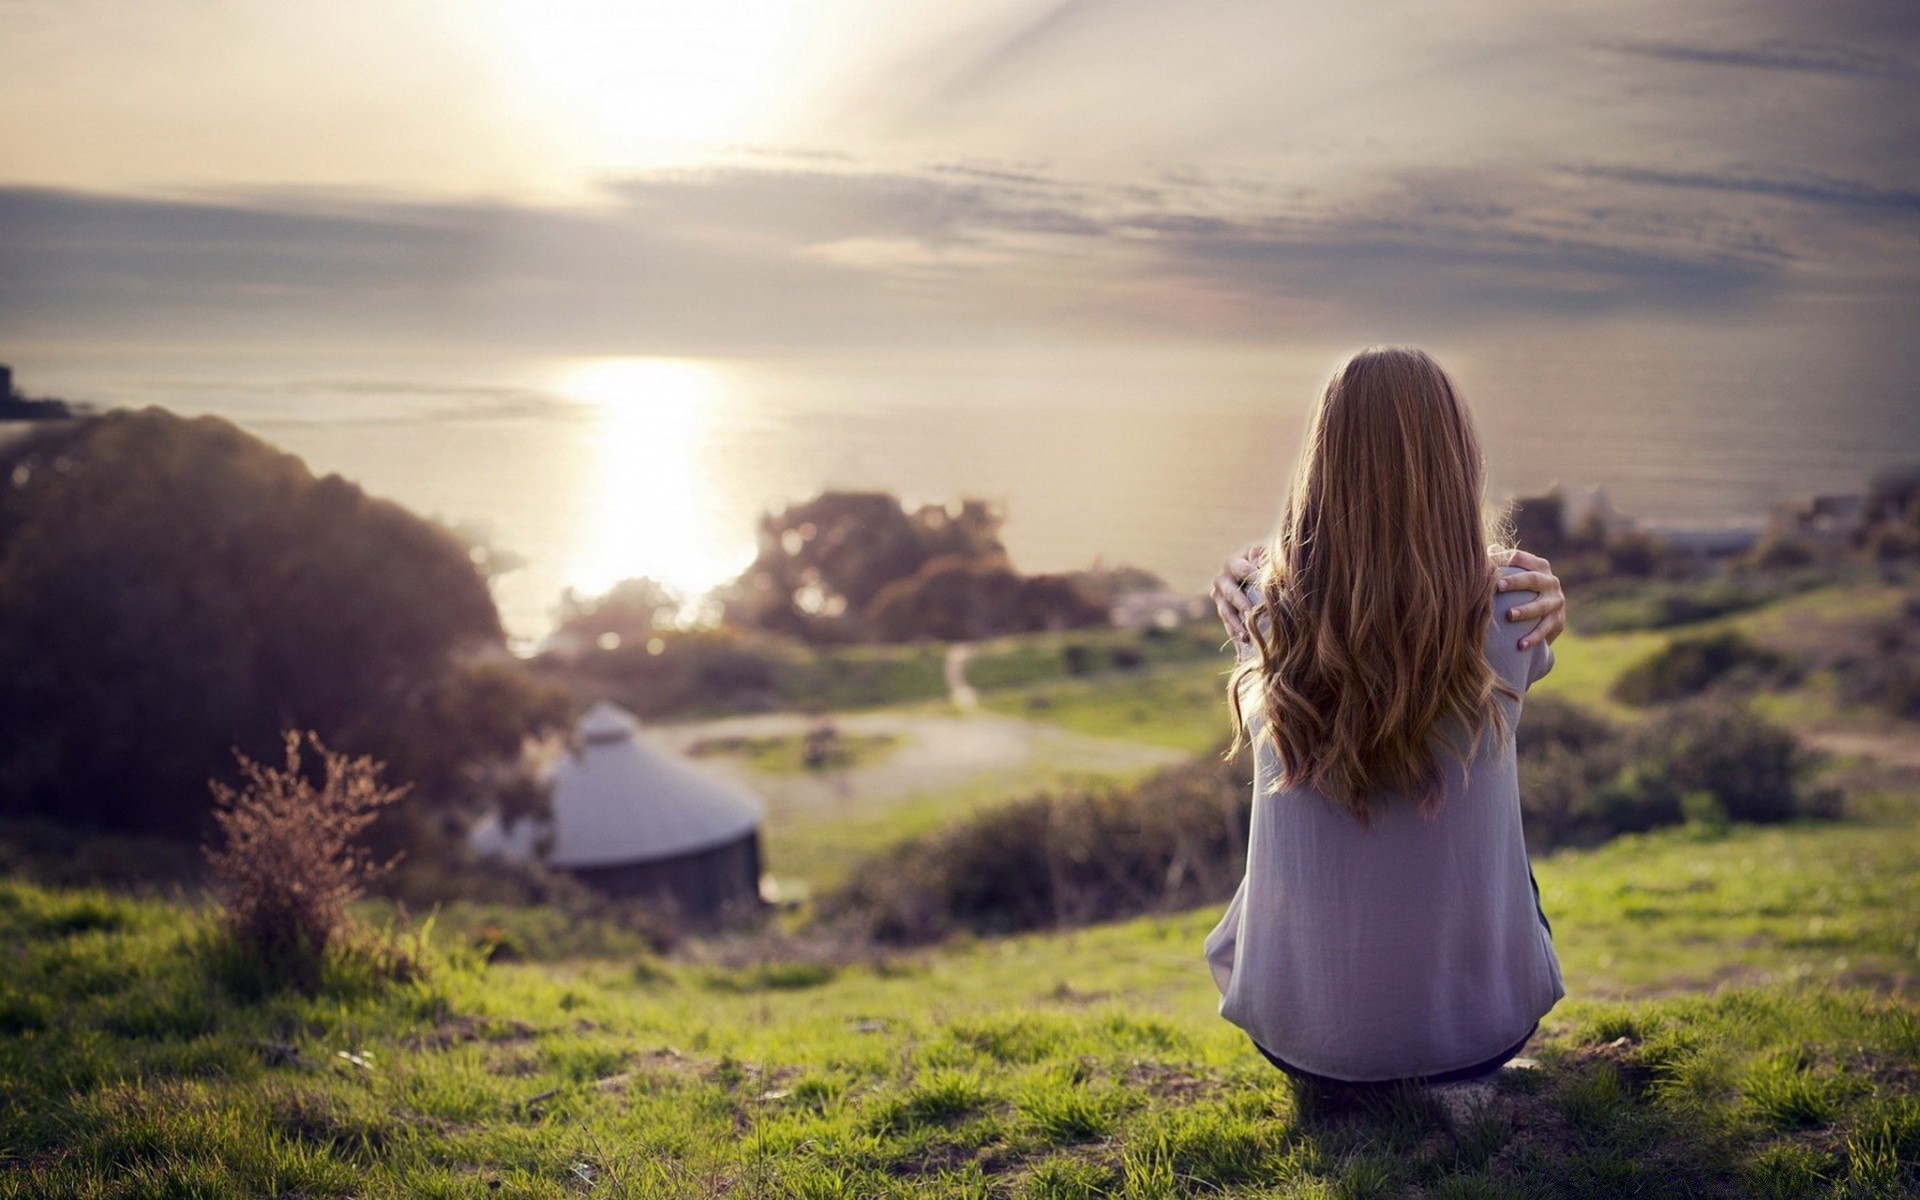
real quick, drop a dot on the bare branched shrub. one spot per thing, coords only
(289, 866)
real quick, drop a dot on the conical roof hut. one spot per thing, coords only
(632, 817)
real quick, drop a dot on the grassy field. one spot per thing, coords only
(1079, 1064)
(1180, 703)
(1743, 1020)
(1183, 704)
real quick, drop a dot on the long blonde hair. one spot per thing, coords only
(1377, 592)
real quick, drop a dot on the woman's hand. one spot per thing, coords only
(1228, 598)
(1550, 606)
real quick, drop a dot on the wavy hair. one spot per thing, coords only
(1377, 592)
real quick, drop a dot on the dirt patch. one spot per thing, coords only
(1167, 1083)
(457, 1030)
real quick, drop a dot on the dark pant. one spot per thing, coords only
(1487, 1067)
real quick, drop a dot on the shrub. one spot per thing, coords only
(289, 867)
(1889, 675)
(1178, 838)
(1549, 721)
(1688, 666)
(1174, 840)
(1583, 779)
(1753, 767)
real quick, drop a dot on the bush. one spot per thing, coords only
(1178, 838)
(1583, 779)
(289, 867)
(1549, 721)
(1889, 675)
(1753, 767)
(1613, 605)
(1175, 840)
(1688, 666)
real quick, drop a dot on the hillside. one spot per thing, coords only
(1071, 1065)
(1743, 1019)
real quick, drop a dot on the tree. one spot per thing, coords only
(174, 589)
(822, 563)
(630, 611)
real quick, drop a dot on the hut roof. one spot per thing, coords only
(621, 797)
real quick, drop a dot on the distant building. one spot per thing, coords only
(1583, 507)
(1829, 519)
(1722, 540)
(1161, 608)
(632, 818)
(1564, 517)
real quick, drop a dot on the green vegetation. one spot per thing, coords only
(710, 672)
(787, 754)
(1741, 1017)
(1086, 1063)
(1042, 657)
(1072, 857)
(1622, 604)
(1181, 705)
(173, 589)
(819, 850)
(1688, 666)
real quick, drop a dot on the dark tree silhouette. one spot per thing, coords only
(851, 566)
(173, 589)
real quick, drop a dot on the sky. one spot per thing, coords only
(734, 178)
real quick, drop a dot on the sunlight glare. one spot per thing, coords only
(650, 82)
(647, 501)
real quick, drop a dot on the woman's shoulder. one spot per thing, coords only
(1522, 667)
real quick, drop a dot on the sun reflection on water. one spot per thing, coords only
(648, 507)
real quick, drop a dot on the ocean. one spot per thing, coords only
(591, 468)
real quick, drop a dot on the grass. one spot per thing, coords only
(787, 755)
(1179, 705)
(1585, 668)
(1040, 657)
(1183, 705)
(1741, 1022)
(1079, 1064)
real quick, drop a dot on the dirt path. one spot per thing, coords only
(936, 753)
(1891, 748)
(958, 689)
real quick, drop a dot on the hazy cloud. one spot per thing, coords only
(753, 258)
(1772, 56)
(1808, 188)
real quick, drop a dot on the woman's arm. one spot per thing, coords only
(1549, 606)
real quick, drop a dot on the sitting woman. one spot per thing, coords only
(1388, 927)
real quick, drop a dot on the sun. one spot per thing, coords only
(650, 82)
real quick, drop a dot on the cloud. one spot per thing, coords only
(782, 256)
(1813, 58)
(1806, 187)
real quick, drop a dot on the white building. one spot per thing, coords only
(633, 818)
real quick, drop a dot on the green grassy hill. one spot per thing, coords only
(1079, 1064)
(1743, 1020)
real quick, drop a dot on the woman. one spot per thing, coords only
(1387, 928)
